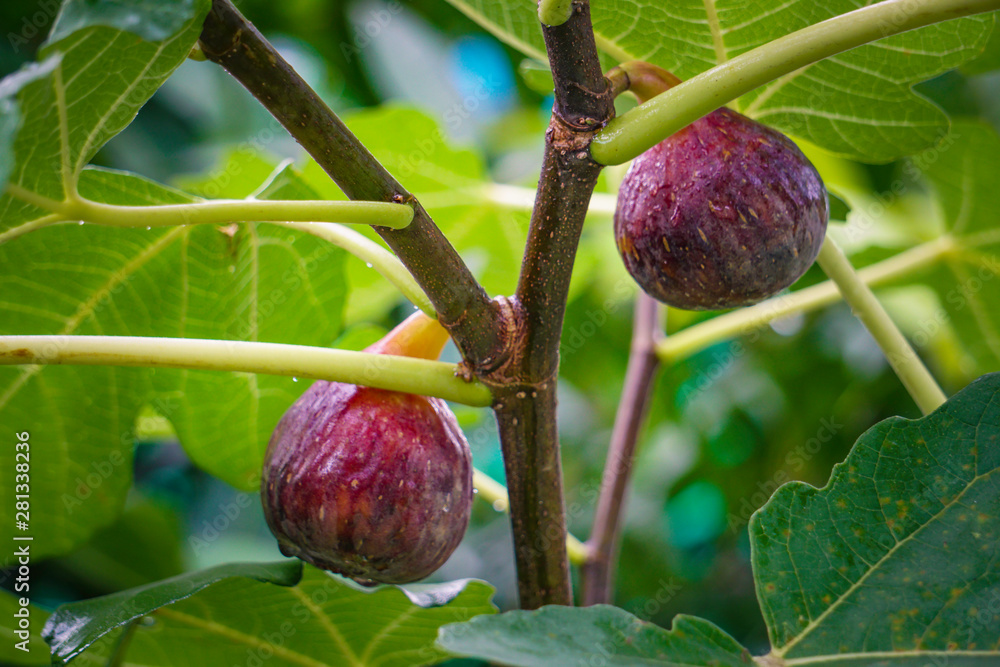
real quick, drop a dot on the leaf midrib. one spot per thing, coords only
(236, 635)
(335, 634)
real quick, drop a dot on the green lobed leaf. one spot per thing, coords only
(75, 626)
(322, 620)
(82, 280)
(859, 104)
(892, 564)
(95, 80)
(255, 282)
(574, 637)
(894, 561)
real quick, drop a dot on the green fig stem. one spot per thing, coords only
(642, 79)
(554, 12)
(418, 336)
(380, 259)
(746, 321)
(76, 208)
(495, 494)
(382, 371)
(866, 307)
(597, 574)
(640, 129)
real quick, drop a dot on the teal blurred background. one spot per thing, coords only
(727, 425)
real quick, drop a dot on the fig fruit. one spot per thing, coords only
(724, 213)
(372, 484)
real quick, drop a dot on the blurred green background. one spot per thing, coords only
(726, 426)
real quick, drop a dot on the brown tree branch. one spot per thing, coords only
(526, 395)
(598, 573)
(461, 303)
(526, 417)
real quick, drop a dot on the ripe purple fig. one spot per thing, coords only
(724, 213)
(372, 484)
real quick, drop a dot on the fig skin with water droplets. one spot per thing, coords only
(372, 484)
(724, 213)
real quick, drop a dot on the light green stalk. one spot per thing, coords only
(902, 357)
(414, 376)
(645, 126)
(740, 322)
(214, 211)
(374, 255)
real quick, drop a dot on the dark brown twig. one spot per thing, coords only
(598, 572)
(526, 407)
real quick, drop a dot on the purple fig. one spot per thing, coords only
(372, 484)
(724, 213)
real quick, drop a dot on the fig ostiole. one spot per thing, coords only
(372, 484)
(724, 213)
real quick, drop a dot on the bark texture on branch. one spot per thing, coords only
(526, 394)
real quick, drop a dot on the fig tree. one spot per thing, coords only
(724, 213)
(373, 484)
